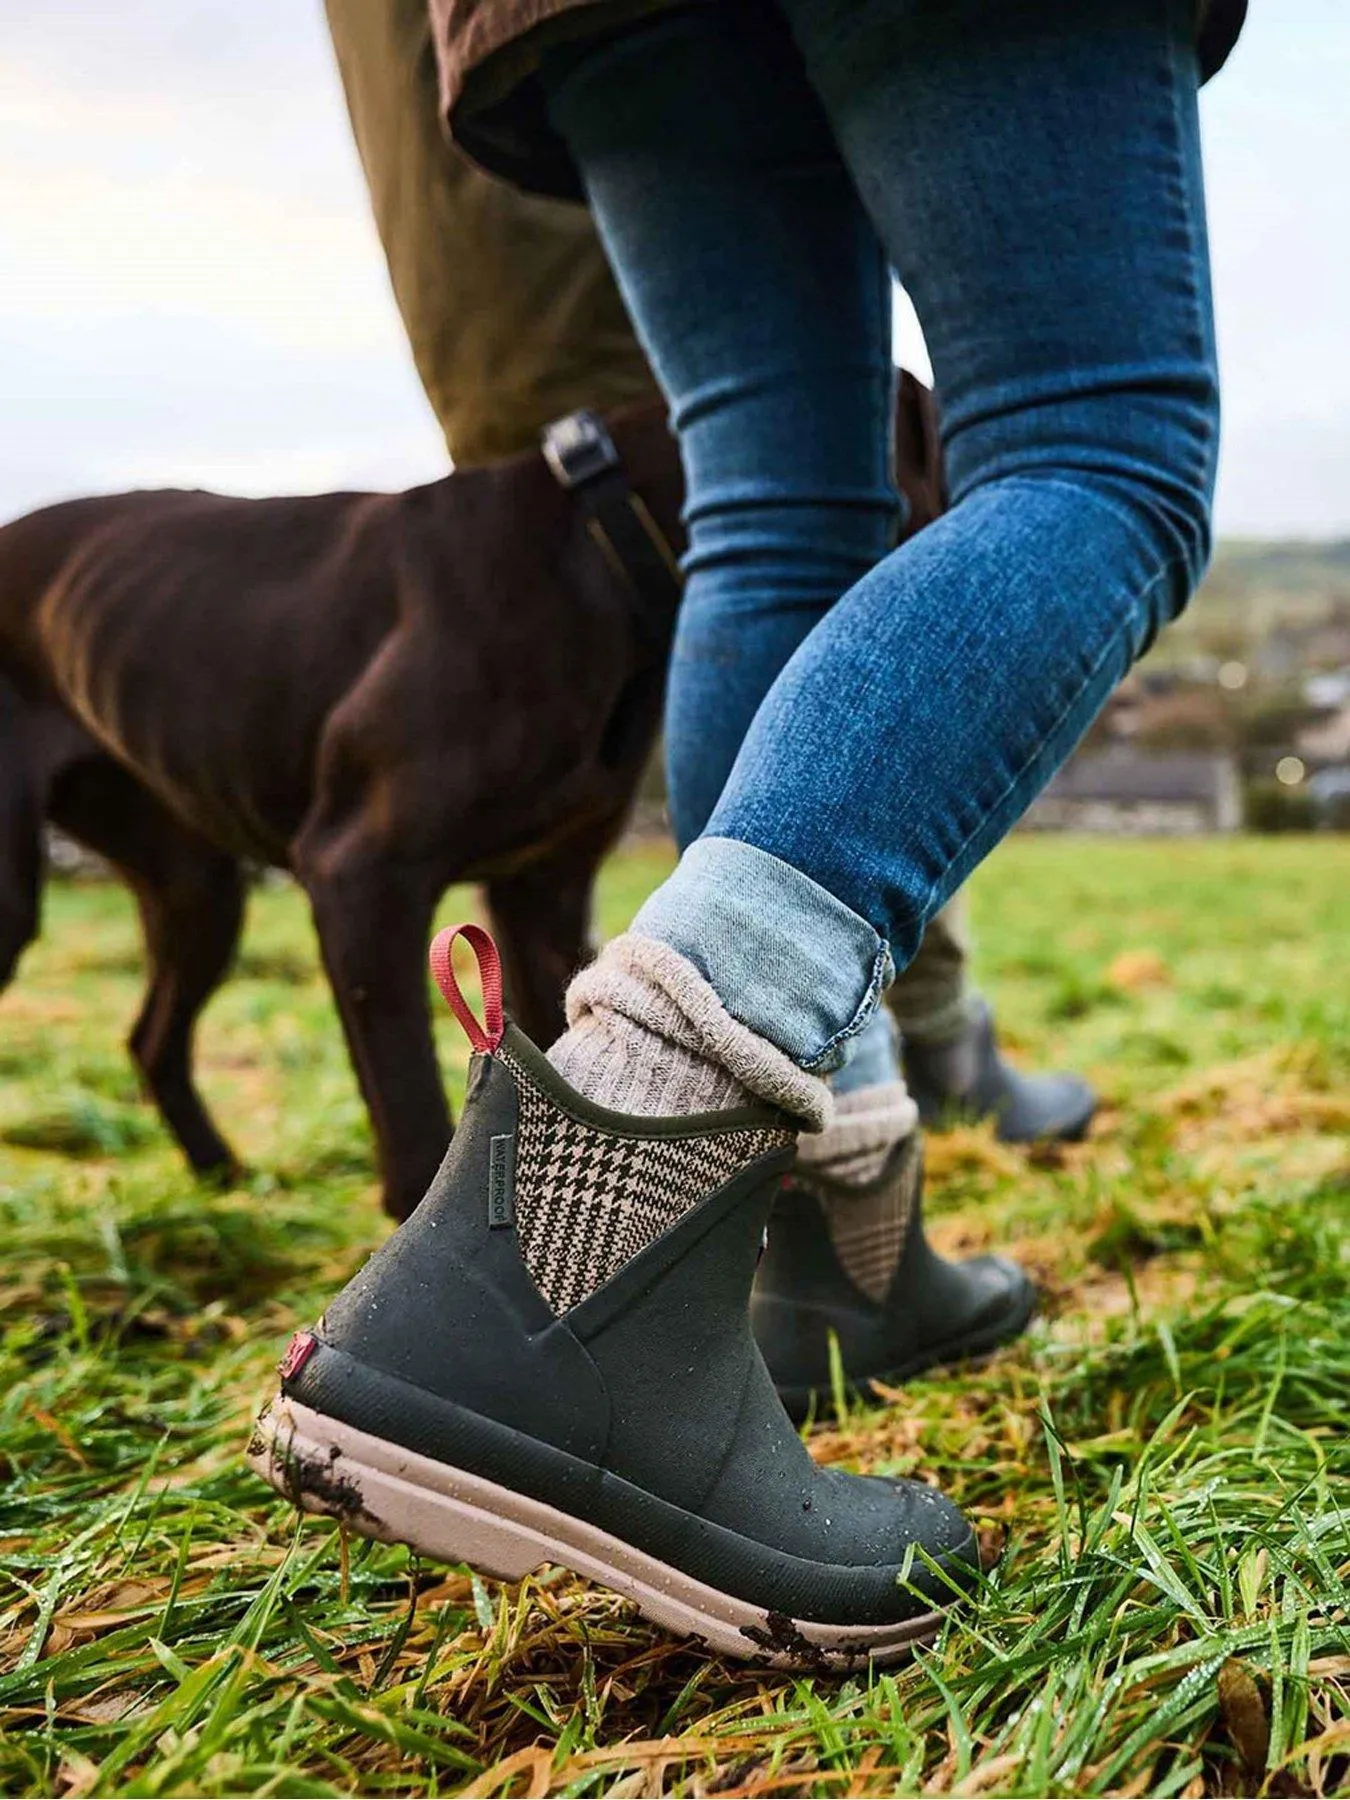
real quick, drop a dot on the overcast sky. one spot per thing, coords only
(191, 291)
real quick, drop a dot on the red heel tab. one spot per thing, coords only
(485, 1037)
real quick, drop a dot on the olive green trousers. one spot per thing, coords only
(513, 319)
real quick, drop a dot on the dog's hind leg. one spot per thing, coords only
(20, 839)
(541, 916)
(191, 926)
(191, 899)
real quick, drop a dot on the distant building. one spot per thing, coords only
(1292, 650)
(1328, 690)
(1138, 793)
(1327, 739)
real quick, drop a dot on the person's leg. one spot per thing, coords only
(1037, 183)
(800, 355)
(799, 348)
(929, 998)
(511, 312)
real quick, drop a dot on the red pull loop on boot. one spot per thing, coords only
(485, 1041)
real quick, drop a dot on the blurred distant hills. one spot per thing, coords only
(1258, 590)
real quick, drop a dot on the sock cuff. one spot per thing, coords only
(655, 986)
(867, 1125)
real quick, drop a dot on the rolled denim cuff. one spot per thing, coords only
(783, 955)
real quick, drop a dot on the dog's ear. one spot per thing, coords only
(919, 471)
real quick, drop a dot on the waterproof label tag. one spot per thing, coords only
(502, 1180)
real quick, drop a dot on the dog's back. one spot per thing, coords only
(172, 624)
(208, 642)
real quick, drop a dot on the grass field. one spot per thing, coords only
(1161, 1471)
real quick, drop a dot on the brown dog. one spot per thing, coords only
(383, 694)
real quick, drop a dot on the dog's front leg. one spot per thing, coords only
(373, 918)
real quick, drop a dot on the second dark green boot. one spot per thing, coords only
(851, 1264)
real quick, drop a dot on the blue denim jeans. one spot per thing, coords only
(853, 728)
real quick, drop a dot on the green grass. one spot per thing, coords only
(1161, 1472)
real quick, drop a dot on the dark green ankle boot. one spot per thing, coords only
(551, 1361)
(852, 1264)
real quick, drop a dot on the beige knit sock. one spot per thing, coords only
(865, 1168)
(647, 1034)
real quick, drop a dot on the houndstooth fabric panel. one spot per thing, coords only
(868, 1228)
(588, 1200)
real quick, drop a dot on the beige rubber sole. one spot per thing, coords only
(399, 1497)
